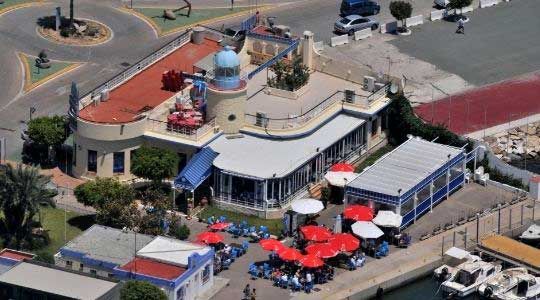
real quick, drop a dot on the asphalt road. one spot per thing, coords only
(500, 42)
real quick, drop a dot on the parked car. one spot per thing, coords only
(441, 3)
(359, 7)
(235, 33)
(353, 23)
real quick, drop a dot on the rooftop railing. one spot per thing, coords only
(163, 127)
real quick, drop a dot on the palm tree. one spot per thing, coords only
(22, 189)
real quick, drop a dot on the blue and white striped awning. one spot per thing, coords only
(196, 170)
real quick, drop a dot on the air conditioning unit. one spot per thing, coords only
(349, 96)
(104, 95)
(369, 83)
(261, 119)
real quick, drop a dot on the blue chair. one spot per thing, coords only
(383, 250)
(243, 224)
(308, 287)
(253, 271)
(236, 232)
(245, 246)
(263, 229)
(252, 229)
(209, 220)
(222, 219)
(267, 273)
(234, 254)
(231, 228)
(265, 236)
(245, 232)
(266, 266)
(351, 265)
(225, 264)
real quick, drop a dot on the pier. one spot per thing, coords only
(512, 252)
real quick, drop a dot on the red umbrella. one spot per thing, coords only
(358, 213)
(220, 226)
(289, 254)
(209, 238)
(311, 261)
(344, 242)
(342, 167)
(271, 245)
(316, 233)
(324, 250)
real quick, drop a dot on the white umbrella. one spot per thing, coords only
(366, 230)
(387, 218)
(340, 179)
(307, 206)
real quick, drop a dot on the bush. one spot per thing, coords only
(179, 231)
(136, 290)
(67, 31)
(289, 77)
(45, 257)
(154, 164)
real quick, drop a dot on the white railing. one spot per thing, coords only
(162, 127)
(379, 93)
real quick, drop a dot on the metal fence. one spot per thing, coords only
(183, 132)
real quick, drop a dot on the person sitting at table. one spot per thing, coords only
(212, 219)
(352, 263)
(227, 248)
(309, 282)
(284, 280)
(276, 274)
(296, 283)
(360, 260)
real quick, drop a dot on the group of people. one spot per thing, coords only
(356, 260)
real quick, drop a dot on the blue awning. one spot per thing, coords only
(196, 170)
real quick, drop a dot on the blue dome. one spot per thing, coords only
(226, 58)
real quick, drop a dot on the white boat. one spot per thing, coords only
(501, 283)
(531, 235)
(527, 288)
(466, 279)
(454, 258)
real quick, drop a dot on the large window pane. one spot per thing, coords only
(118, 162)
(92, 161)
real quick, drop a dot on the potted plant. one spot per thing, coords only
(401, 10)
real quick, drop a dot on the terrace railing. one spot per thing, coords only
(162, 127)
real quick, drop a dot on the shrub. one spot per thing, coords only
(45, 257)
(179, 231)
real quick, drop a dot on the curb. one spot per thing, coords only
(22, 5)
(29, 86)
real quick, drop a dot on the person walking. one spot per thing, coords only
(460, 27)
(247, 292)
(254, 295)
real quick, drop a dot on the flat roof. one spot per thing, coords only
(263, 157)
(16, 255)
(171, 251)
(512, 249)
(108, 244)
(404, 167)
(57, 282)
(144, 91)
(153, 268)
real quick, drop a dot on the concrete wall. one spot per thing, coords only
(223, 105)
(76, 266)
(340, 69)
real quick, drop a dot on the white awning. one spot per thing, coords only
(340, 179)
(367, 230)
(387, 218)
(456, 252)
(307, 206)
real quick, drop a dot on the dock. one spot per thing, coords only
(511, 251)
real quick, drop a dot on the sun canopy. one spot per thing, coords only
(386, 218)
(196, 170)
(340, 179)
(307, 206)
(367, 230)
(316, 233)
(342, 167)
(456, 252)
(358, 213)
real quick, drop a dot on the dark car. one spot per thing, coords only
(235, 33)
(359, 7)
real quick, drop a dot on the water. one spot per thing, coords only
(422, 289)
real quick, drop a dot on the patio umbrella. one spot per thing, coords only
(271, 245)
(307, 206)
(209, 238)
(358, 213)
(289, 254)
(342, 167)
(387, 218)
(366, 230)
(220, 226)
(316, 233)
(311, 261)
(344, 242)
(324, 250)
(340, 179)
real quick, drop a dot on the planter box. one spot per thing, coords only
(286, 94)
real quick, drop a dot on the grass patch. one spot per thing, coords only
(53, 221)
(197, 16)
(274, 225)
(372, 158)
(37, 74)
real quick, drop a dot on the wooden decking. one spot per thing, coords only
(512, 251)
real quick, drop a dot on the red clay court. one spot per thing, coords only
(144, 91)
(485, 107)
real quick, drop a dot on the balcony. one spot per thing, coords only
(196, 137)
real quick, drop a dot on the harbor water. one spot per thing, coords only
(425, 288)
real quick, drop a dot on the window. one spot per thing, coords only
(93, 272)
(81, 267)
(69, 264)
(231, 117)
(180, 293)
(374, 127)
(118, 162)
(92, 161)
(206, 274)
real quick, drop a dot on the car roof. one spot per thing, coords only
(353, 17)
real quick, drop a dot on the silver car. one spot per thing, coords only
(353, 23)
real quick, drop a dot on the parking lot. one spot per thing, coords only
(499, 42)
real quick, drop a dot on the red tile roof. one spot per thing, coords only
(153, 268)
(144, 90)
(16, 255)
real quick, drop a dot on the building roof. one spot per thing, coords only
(171, 251)
(56, 281)
(15, 255)
(144, 91)
(226, 58)
(153, 268)
(264, 157)
(405, 167)
(108, 244)
(197, 169)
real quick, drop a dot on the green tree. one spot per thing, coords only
(401, 10)
(48, 133)
(179, 230)
(459, 4)
(22, 189)
(154, 164)
(136, 290)
(45, 257)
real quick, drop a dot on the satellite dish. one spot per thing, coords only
(394, 88)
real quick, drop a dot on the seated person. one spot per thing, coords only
(227, 248)
(352, 263)
(360, 261)
(284, 279)
(296, 282)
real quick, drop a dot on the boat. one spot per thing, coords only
(501, 283)
(527, 288)
(454, 258)
(531, 235)
(468, 277)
